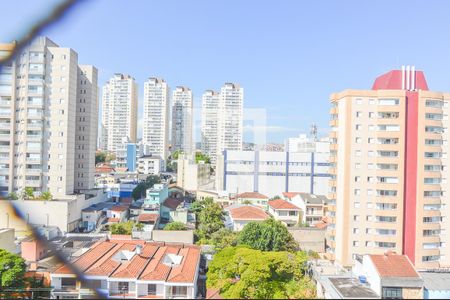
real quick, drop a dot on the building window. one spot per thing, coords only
(123, 286)
(151, 289)
(392, 293)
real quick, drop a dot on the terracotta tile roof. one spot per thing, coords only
(252, 195)
(172, 203)
(156, 270)
(119, 208)
(185, 272)
(393, 265)
(148, 217)
(113, 220)
(120, 237)
(213, 294)
(282, 204)
(101, 260)
(248, 212)
(290, 195)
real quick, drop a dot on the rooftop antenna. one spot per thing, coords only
(313, 131)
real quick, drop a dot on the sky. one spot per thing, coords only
(289, 55)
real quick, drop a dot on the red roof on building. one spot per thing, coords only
(252, 195)
(104, 168)
(393, 81)
(393, 265)
(290, 195)
(150, 264)
(113, 220)
(248, 212)
(148, 217)
(119, 208)
(172, 203)
(282, 204)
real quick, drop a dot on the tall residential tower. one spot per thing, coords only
(390, 167)
(48, 120)
(182, 119)
(155, 128)
(119, 111)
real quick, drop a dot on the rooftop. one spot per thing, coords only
(172, 203)
(136, 259)
(247, 212)
(436, 281)
(313, 199)
(252, 195)
(119, 208)
(348, 288)
(393, 265)
(148, 217)
(282, 204)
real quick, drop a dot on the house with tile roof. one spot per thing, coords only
(130, 269)
(313, 206)
(285, 212)
(117, 213)
(253, 198)
(239, 215)
(390, 275)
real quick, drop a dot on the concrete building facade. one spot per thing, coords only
(182, 119)
(48, 117)
(272, 173)
(155, 129)
(119, 110)
(389, 166)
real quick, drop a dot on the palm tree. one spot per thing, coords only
(47, 196)
(28, 193)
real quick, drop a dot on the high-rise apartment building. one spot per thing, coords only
(48, 120)
(222, 120)
(119, 111)
(209, 128)
(231, 117)
(155, 128)
(390, 167)
(182, 119)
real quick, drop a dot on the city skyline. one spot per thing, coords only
(310, 62)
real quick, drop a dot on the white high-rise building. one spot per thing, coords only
(48, 120)
(155, 128)
(210, 111)
(222, 120)
(231, 117)
(182, 119)
(119, 111)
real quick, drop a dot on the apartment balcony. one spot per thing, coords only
(334, 123)
(37, 71)
(5, 103)
(4, 171)
(35, 103)
(34, 137)
(33, 183)
(5, 137)
(36, 171)
(33, 160)
(5, 125)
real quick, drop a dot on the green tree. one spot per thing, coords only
(47, 196)
(270, 235)
(100, 157)
(28, 193)
(12, 196)
(139, 226)
(12, 270)
(244, 273)
(202, 157)
(175, 226)
(275, 198)
(210, 219)
(122, 228)
(140, 190)
(223, 238)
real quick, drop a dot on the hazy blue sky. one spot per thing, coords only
(288, 55)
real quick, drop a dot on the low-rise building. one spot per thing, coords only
(93, 215)
(7, 240)
(117, 213)
(220, 197)
(150, 165)
(436, 284)
(390, 275)
(131, 269)
(312, 206)
(155, 196)
(253, 198)
(32, 249)
(284, 211)
(239, 215)
(177, 210)
(192, 176)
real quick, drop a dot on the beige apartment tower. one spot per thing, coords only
(48, 120)
(390, 171)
